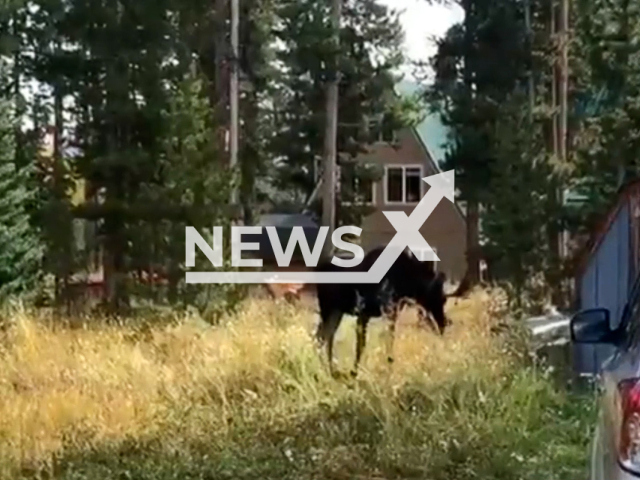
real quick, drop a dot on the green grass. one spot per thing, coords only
(252, 400)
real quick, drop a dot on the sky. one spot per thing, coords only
(422, 21)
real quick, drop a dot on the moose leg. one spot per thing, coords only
(361, 340)
(392, 315)
(392, 335)
(326, 331)
(426, 319)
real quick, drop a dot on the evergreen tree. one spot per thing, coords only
(20, 247)
(608, 133)
(119, 97)
(370, 39)
(478, 64)
(194, 179)
(515, 216)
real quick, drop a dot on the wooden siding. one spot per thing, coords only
(445, 229)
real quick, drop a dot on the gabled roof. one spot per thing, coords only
(430, 133)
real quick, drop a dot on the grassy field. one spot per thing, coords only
(251, 399)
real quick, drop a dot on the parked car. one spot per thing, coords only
(615, 453)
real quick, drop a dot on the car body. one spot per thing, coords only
(615, 453)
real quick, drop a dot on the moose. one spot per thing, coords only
(409, 279)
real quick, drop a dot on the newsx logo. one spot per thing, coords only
(407, 236)
(283, 257)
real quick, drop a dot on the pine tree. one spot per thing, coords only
(478, 64)
(20, 247)
(119, 103)
(193, 178)
(370, 37)
(608, 136)
(515, 215)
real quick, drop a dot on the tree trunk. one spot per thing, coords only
(563, 74)
(473, 243)
(115, 272)
(119, 192)
(221, 117)
(60, 274)
(233, 99)
(473, 205)
(622, 58)
(17, 90)
(250, 157)
(530, 83)
(558, 296)
(330, 134)
(555, 151)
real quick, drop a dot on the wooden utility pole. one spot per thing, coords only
(552, 231)
(563, 91)
(554, 81)
(331, 133)
(233, 97)
(527, 21)
(563, 80)
(559, 32)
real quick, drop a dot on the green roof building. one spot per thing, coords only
(431, 130)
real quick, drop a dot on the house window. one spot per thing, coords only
(403, 184)
(355, 189)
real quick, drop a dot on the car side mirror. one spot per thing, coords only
(593, 326)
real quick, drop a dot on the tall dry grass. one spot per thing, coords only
(252, 398)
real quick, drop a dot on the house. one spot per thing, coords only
(406, 157)
(608, 267)
(403, 158)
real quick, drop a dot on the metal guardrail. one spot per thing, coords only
(549, 328)
(572, 364)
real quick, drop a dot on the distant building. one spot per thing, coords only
(407, 156)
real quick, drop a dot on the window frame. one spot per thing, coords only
(404, 168)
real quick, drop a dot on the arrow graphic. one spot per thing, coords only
(407, 235)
